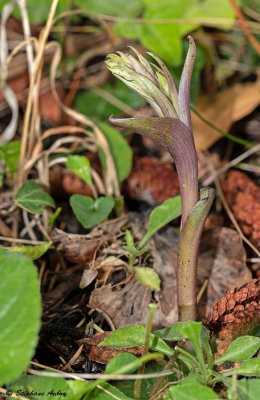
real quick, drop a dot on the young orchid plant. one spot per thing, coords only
(173, 130)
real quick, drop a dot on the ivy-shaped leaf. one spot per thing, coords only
(91, 212)
(33, 198)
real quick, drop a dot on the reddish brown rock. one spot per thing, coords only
(243, 197)
(152, 181)
(72, 184)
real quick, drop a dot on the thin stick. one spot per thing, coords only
(82, 376)
(244, 27)
(25, 241)
(228, 210)
(234, 162)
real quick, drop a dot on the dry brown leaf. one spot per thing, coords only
(227, 107)
(104, 354)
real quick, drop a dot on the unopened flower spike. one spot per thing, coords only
(139, 76)
(173, 130)
(175, 134)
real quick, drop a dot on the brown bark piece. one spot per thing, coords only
(152, 181)
(243, 197)
(104, 354)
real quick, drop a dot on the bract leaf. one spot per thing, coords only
(184, 86)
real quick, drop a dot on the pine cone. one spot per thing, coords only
(235, 315)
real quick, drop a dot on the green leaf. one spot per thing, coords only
(127, 387)
(99, 394)
(81, 166)
(162, 39)
(41, 387)
(32, 252)
(241, 349)
(165, 38)
(120, 150)
(91, 212)
(97, 107)
(33, 198)
(38, 12)
(9, 153)
(120, 361)
(173, 333)
(19, 313)
(190, 392)
(192, 332)
(134, 251)
(54, 216)
(129, 238)
(148, 277)
(134, 335)
(192, 378)
(204, 340)
(161, 216)
(115, 7)
(248, 368)
(246, 389)
(217, 9)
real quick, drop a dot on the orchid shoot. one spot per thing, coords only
(173, 130)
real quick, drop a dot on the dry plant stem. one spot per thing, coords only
(35, 118)
(152, 308)
(161, 381)
(244, 27)
(233, 162)
(111, 181)
(36, 65)
(27, 33)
